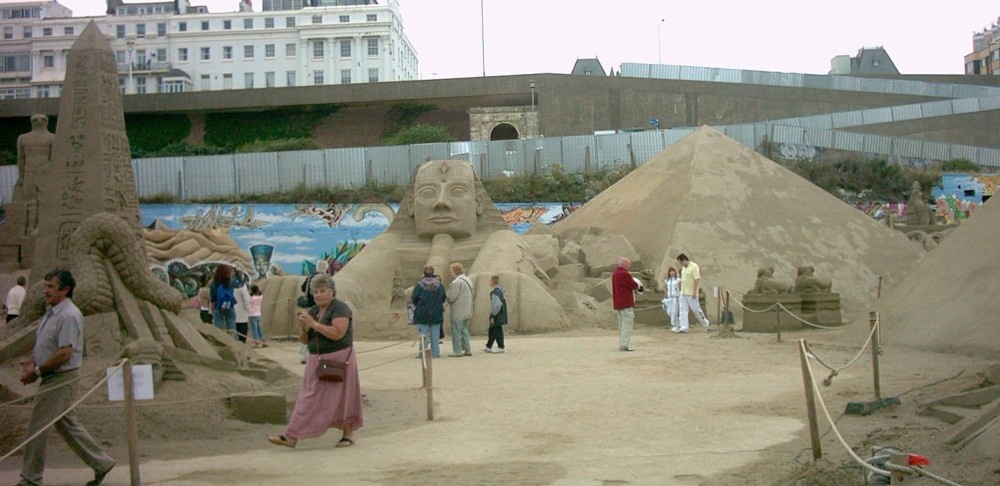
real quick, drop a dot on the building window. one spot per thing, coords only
(68, 30)
(318, 49)
(45, 91)
(204, 25)
(227, 52)
(206, 53)
(345, 76)
(119, 31)
(8, 32)
(373, 46)
(269, 51)
(290, 78)
(161, 54)
(27, 32)
(269, 79)
(373, 75)
(182, 26)
(206, 82)
(345, 47)
(140, 30)
(318, 77)
(289, 22)
(48, 61)
(227, 81)
(227, 24)
(161, 29)
(317, 19)
(268, 22)
(247, 23)
(182, 54)
(247, 52)
(372, 17)
(46, 31)
(345, 19)
(173, 87)
(140, 85)
(248, 80)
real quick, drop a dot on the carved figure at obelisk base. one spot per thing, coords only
(17, 235)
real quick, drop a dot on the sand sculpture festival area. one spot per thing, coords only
(563, 405)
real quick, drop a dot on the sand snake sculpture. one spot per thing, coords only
(105, 237)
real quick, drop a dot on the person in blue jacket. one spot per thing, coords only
(428, 308)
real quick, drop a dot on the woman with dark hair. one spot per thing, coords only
(223, 299)
(327, 329)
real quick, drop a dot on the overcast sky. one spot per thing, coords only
(547, 36)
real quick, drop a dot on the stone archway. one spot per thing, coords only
(504, 131)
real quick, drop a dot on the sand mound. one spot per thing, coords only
(948, 303)
(733, 211)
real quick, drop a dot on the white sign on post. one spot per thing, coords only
(142, 383)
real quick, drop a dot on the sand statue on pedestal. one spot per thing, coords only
(766, 283)
(806, 282)
(17, 236)
(820, 305)
(917, 211)
(447, 217)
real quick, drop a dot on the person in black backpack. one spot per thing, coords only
(223, 300)
(498, 316)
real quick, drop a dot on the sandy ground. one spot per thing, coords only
(571, 409)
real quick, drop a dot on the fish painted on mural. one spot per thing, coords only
(333, 214)
(567, 209)
(215, 219)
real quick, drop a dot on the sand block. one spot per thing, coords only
(822, 308)
(261, 408)
(768, 321)
(973, 398)
(269, 374)
(540, 229)
(602, 290)
(184, 335)
(19, 344)
(102, 335)
(571, 271)
(11, 387)
(545, 249)
(184, 356)
(601, 253)
(570, 286)
(570, 253)
(128, 307)
(975, 424)
(156, 324)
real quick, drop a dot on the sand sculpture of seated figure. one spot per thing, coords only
(446, 217)
(806, 282)
(766, 284)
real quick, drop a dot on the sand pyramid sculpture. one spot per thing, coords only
(949, 303)
(90, 224)
(733, 211)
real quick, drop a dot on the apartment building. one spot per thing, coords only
(172, 47)
(985, 55)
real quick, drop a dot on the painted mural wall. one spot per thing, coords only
(292, 237)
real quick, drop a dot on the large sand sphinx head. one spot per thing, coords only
(445, 199)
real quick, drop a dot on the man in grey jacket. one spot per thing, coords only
(460, 299)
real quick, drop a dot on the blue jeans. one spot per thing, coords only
(255, 331)
(225, 320)
(431, 333)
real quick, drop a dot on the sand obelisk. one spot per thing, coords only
(91, 160)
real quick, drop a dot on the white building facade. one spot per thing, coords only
(163, 52)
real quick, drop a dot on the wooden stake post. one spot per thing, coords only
(130, 427)
(876, 344)
(810, 403)
(428, 365)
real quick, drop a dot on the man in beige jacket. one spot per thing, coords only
(460, 299)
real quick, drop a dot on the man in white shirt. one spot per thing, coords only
(15, 298)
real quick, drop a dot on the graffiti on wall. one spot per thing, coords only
(950, 209)
(880, 210)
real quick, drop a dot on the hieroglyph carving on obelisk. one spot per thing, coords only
(91, 159)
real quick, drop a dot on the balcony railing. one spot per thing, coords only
(145, 67)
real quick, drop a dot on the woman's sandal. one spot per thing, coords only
(345, 442)
(281, 440)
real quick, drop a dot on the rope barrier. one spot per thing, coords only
(833, 426)
(794, 316)
(63, 414)
(29, 397)
(853, 360)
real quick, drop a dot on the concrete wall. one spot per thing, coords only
(566, 104)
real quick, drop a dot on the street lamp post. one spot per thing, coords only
(532, 85)
(130, 46)
(659, 57)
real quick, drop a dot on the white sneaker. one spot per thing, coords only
(487, 350)
(674, 329)
(498, 351)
